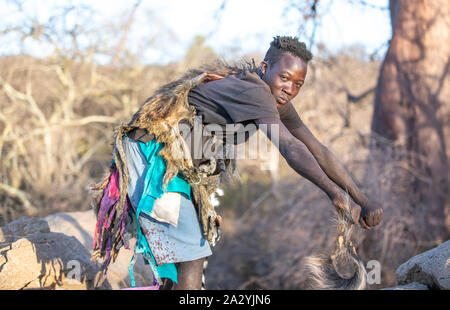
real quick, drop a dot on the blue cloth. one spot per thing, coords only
(160, 243)
(145, 186)
(153, 187)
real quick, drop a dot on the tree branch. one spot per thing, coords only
(121, 46)
(22, 196)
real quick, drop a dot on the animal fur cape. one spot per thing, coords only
(161, 115)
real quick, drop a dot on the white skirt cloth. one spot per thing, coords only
(180, 241)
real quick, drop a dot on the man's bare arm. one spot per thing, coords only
(299, 157)
(371, 213)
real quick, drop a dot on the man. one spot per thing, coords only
(170, 230)
(284, 72)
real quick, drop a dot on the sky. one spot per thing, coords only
(163, 30)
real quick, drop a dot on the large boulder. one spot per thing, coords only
(32, 257)
(81, 226)
(431, 268)
(54, 253)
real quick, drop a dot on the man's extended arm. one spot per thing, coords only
(299, 157)
(371, 213)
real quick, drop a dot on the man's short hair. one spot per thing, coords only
(285, 44)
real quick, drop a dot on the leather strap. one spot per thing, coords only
(140, 134)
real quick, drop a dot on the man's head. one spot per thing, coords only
(284, 67)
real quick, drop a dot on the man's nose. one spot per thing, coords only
(288, 90)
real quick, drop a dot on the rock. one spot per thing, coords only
(76, 224)
(54, 253)
(431, 268)
(411, 286)
(22, 227)
(32, 257)
(81, 226)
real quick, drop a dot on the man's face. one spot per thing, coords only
(285, 77)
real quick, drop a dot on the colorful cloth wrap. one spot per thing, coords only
(152, 190)
(105, 216)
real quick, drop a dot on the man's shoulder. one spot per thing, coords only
(246, 82)
(248, 78)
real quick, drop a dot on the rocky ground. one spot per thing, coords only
(54, 253)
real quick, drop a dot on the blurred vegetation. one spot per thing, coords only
(57, 112)
(56, 120)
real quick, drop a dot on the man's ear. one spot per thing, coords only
(263, 67)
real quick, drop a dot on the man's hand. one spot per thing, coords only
(368, 215)
(344, 203)
(371, 215)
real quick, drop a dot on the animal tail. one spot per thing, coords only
(205, 264)
(343, 270)
(215, 203)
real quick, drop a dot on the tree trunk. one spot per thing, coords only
(412, 103)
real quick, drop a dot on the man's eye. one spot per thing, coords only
(283, 78)
(299, 85)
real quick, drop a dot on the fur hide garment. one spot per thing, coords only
(161, 115)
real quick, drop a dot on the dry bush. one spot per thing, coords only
(265, 249)
(57, 113)
(56, 120)
(56, 117)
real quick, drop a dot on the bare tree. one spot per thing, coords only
(411, 109)
(122, 44)
(412, 103)
(56, 112)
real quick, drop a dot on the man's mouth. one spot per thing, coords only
(282, 100)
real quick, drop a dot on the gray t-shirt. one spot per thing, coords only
(236, 99)
(240, 98)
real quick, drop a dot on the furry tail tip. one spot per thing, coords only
(341, 271)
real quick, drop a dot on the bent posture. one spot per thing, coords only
(169, 194)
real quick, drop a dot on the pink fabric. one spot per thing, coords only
(114, 188)
(108, 204)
